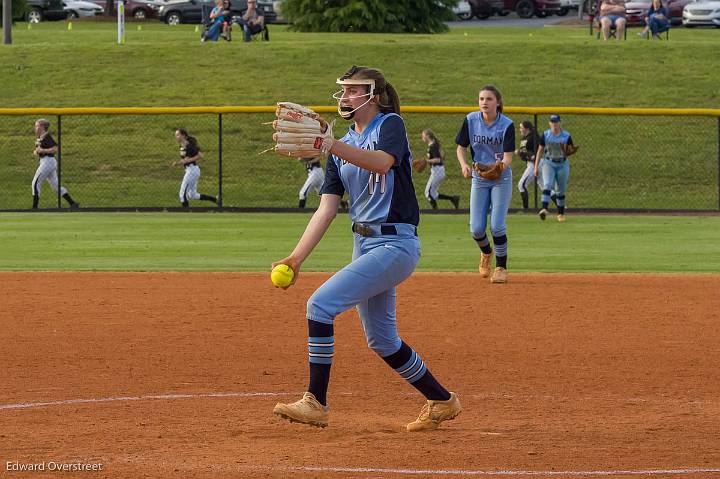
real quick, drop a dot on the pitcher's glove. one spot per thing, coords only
(490, 172)
(300, 132)
(419, 165)
(570, 149)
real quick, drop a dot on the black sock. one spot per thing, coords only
(208, 198)
(561, 210)
(36, 200)
(525, 199)
(433, 203)
(68, 199)
(186, 204)
(484, 244)
(301, 203)
(444, 197)
(426, 384)
(322, 334)
(500, 243)
(544, 205)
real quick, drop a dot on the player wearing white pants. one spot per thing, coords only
(437, 171)
(45, 149)
(314, 181)
(190, 154)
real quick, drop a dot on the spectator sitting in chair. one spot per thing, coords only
(612, 14)
(217, 18)
(227, 14)
(253, 21)
(656, 20)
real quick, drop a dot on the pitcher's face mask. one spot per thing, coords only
(346, 111)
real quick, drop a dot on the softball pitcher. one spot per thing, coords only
(314, 179)
(490, 135)
(190, 154)
(45, 150)
(372, 163)
(437, 171)
(555, 146)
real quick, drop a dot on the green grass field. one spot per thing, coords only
(250, 242)
(625, 162)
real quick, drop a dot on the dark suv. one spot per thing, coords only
(524, 8)
(138, 10)
(190, 11)
(39, 10)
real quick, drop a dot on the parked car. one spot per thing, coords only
(637, 11)
(463, 10)
(137, 9)
(567, 5)
(175, 12)
(81, 8)
(528, 8)
(40, 10)
(702, 12)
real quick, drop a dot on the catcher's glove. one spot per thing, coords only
(419, 165)
(490, 172)
(570, 149)
(300, 132)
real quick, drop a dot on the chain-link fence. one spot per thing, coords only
(634, 160)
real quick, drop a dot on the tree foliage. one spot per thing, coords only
(388, 16)
(19, 8)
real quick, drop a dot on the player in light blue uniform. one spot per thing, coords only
(372, 163)
(490, 135)
(555, 166)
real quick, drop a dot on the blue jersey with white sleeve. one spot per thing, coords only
(488, 142)
(376, 198)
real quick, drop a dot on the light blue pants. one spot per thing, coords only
(557, 175)
(379, 264)
(482, 195)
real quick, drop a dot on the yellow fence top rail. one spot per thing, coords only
(197, 110)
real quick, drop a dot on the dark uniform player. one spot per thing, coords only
(45, 150)
(190, 154)
(437, 171)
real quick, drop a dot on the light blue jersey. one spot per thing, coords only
(554, 144)
(487, 142)
(376, 198)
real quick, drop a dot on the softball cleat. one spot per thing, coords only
(485, 264)
(500, 275)
(307, 411)
(561, 218)
(542, 214)
(435, 412)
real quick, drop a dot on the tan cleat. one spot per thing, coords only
(307, 411)
(542, 214)
(435, 412)
(561, 218)
(500, 275)
(485, 264)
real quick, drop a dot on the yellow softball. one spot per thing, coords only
(282, 276)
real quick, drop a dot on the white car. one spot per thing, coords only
(705, 13)
(81, 8)
(463, 10)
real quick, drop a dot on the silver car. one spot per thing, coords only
(81, 8)
(702, 13)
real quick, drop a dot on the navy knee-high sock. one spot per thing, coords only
(484, 244)
(501, 251)
(321, 349)
(411, 368)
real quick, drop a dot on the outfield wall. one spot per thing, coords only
(629, 159)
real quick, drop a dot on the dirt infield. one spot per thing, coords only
(176, 374)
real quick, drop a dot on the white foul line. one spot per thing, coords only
(29, 405)
(509, 473)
